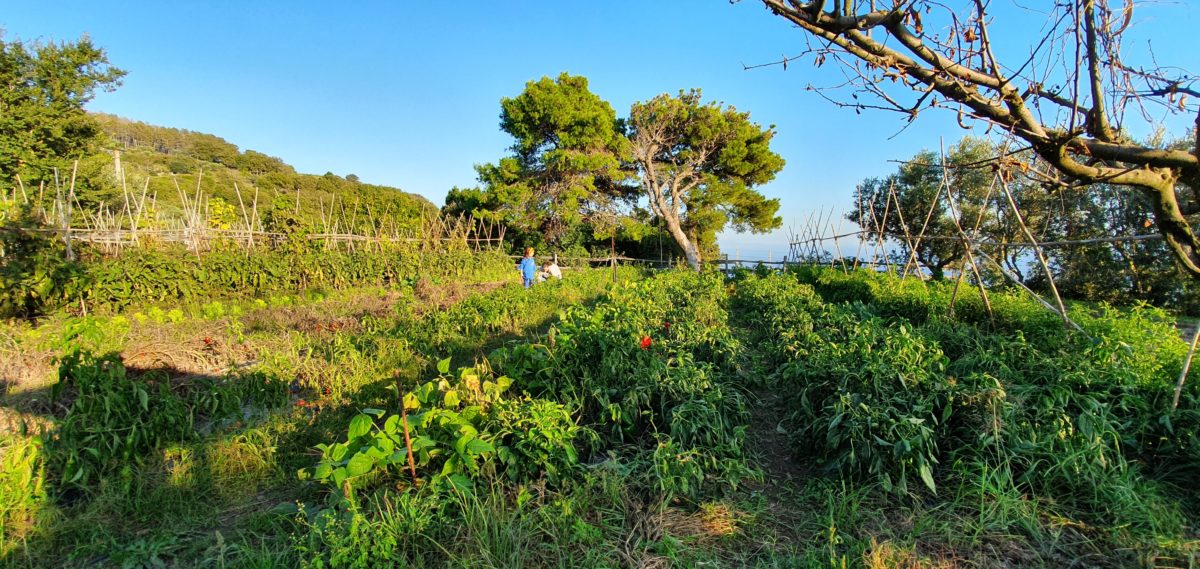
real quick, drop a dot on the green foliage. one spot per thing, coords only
(1083, 419)
(43, 87)
(569, 178)
(566, 165)
(34, 272)
(42, 283)
(213, 166)
(461, 428)
(650, 366)
(882, 294)
(776, 312)
(870, 400)
(22, 489)
(699, 163)
(113, 421)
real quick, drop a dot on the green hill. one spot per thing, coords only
(168, 163)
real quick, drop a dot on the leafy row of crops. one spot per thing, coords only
(154, 448)
(36, 279)
(890, 383)
(582, 423)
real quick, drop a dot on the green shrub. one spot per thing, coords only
(22, 490)
(461, 428)
(870, 400)
(113, 420)
(650, 365)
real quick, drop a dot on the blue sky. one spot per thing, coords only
(407, 94)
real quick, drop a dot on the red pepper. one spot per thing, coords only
(646, 342)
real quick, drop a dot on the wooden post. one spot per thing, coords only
(955, 216)
(613, 244)
(1187, 364)
(22, 186)
(67, 216)
(245, 216)
(412, 467)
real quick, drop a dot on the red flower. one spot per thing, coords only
(646, 342)
(667, 325)
(208, 341)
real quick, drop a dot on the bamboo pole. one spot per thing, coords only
(1187, 364)
(21, 185)
(245, 216)
(254, 211)
(1062, 309)
(924, 226)
(956, 217)
(67, 217)
(907, 234)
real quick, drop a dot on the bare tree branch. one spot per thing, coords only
(954, 66)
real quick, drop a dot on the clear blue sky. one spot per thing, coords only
(407, 94)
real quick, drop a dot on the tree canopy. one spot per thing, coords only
(43, 88)
(698, 164)
(912, 202)
(566, 161)
(575, 167)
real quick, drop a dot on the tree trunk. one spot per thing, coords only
(689, 248)
(938, 272)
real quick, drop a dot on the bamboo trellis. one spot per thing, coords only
(137, 221)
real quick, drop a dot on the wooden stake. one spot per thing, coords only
(412, 467)
(245, 216)
(1187, 364)
(22, 186)
(67, 217)
(1037, 249)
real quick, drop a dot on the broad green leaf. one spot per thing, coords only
(460, 481)
(503, 383)
(359, 426)
(451, 399)
(339, 476)
(338, 452)
(360, 464)
(479, 446)
(392, 425)
(373, 411)
(422, 442)
(443, 366)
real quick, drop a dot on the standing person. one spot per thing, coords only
(528, 268)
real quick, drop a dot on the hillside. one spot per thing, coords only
(166, 162)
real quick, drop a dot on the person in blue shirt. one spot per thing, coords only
(528, 268)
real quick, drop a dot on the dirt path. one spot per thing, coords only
(771, 446)
(769, 442)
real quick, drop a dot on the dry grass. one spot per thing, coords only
(712, 521)
(887, 555)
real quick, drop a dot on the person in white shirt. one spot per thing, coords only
(549, 269)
